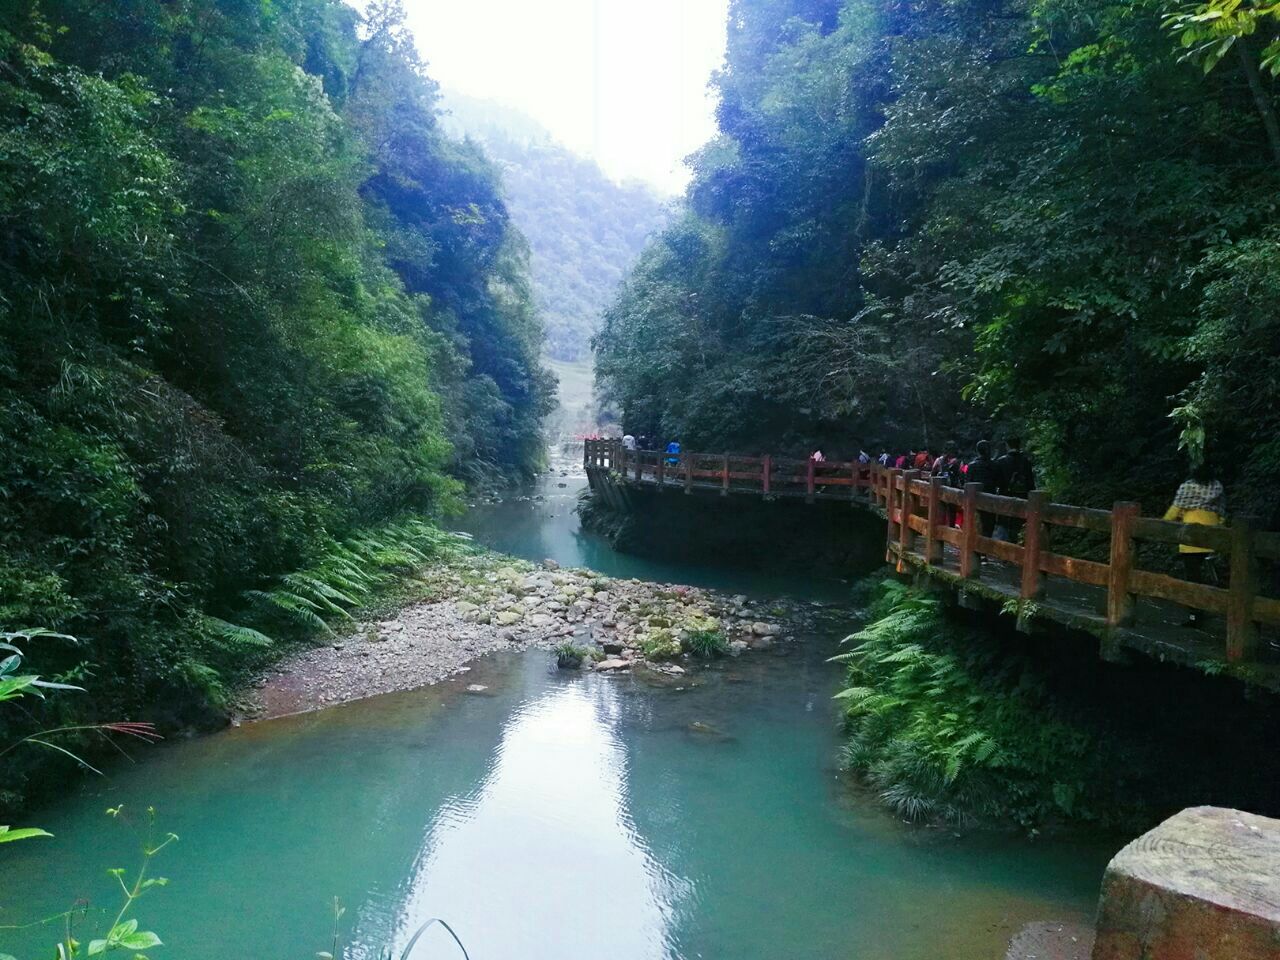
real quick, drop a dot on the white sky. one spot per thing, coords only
(622, 81)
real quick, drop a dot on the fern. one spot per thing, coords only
(947, 726)
(235, 634)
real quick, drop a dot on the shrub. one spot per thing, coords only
(703, 637)
(660, 644)
(569, 656)
(949, 727)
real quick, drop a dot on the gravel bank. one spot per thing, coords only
(489, 603)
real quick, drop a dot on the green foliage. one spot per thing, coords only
(1208, 31)
(925, 223)
(660, 643)
(569, 656)
(947, 727)
(703, 637)
(120, 933)
(253, 303)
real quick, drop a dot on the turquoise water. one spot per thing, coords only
(549, 815)
(537, 529)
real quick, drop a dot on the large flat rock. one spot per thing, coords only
(1204, 885)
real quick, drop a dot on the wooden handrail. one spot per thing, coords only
(916, 506)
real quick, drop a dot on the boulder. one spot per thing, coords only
(1204, 884)
(613, 664)
(506, 618)
(765, 629)
(549, 564)
(737, 646)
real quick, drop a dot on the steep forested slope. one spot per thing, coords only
(584, 230)
(919, 218)
(252, 300)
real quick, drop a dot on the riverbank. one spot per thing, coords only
(469, 605)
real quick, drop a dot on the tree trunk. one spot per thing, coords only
(1260, 98)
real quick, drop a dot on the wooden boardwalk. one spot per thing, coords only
(1077, 566)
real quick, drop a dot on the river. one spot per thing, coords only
(556, 816)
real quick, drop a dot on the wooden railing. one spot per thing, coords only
(918, 509)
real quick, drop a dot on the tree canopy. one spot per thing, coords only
(252, 300)
(921, 222)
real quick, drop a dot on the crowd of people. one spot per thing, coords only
(1010, 472)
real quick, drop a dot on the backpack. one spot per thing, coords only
(949, 472)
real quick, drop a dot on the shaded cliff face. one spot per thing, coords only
(829, 540)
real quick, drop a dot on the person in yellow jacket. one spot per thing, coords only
(1200, 499)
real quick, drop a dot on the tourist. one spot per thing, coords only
(628, 442)
(982, 469)
(949, 470)
(1201, 500)
(884, 458)
(922, 460)
(673, 447)
(1017, 472)
(1017, 479)
(864, 458)
(817, 457)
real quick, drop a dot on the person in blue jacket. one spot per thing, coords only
(673, 447)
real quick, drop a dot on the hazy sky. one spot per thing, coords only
(623, 81)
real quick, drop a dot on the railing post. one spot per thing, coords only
(808, 482)
(686, 460)
(1242, 632)
(853, 479)
(906, 536)
(660, 470)
(1032, 545)
(1119, 598)
(932, 544)
(892, 532)
(766, 469)
(724, 476)
(969, 535)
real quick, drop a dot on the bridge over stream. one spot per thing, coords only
(1080, 567)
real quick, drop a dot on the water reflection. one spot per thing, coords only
(543, 860)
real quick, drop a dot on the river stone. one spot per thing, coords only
(613, 664)
(1047, 940)
(541, 620)
(1203, 885)
(549, 564)
(737, 646)
(466, 608)
(506, 618)
(764, 629)
(611, 646)
(602, 597)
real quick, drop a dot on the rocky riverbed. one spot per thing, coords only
(484, 602)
